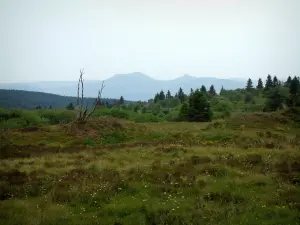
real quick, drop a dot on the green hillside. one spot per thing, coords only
(10, 99)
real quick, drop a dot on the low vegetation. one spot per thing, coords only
(114, 171)
(143, 163)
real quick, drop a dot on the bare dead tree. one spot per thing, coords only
(83, 115)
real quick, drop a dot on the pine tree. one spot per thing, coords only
(203, 89)
(260, 84)
(156, 98)
(294, 89)
(121, 101)
(199, 108)
(181, 95)
(212, 90)
(168, 95)
(269, 82)
(275, 82)
(70, 106)
(275, 100)
(192, 91)
(249, 85)
(288, 82)
(222, 91)
(162, 95)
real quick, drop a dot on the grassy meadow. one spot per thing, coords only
(242, 170)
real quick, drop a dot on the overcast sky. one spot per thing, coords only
(53, 39)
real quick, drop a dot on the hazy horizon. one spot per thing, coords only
(52, 40)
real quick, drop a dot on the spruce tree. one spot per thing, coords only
(212, 90)
(162, 95)
(288, 82)
(294, 89)
(168, 95)
(181, 95)
(156, 98)
(275, 82)
(249, 85)
(192, 91)
(274, 101)
(199, 108)
(203, 89)
(269, 82)
(70, 106)
(121, 101)
(260, 84)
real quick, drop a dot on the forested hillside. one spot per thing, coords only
(10, 99)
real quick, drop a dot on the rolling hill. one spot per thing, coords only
(30, 100)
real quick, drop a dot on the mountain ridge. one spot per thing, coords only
(132, 86)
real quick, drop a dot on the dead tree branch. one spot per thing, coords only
(83, 115)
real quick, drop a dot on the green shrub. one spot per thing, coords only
(4, 114)
(57, 116)
(119, 113)
(146, 117)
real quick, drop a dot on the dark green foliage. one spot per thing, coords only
(275, 81)
(199, 108)
(162, 95)
(249, 85)
(183, 114)
(70, 106)
(260, 84)
(276, 99)
(288, 82)
(10, 99)
(248, 97)
(269, 82)
(212, 91)
(294, 90)
(192, 91)
(57, 116)
(181, 95)
(168, 95)
(121, 101)
(203, 89)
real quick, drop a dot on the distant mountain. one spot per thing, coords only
(133, 86)
(10, 99)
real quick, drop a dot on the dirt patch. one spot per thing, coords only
(30, 129)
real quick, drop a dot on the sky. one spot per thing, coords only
(51, 40)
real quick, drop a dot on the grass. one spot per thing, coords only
(118, 172)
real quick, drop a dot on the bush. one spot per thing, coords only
(4, 114)
(146, 117)
(57, 116)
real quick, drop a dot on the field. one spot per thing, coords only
(243, 170)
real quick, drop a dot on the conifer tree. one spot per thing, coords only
(212, 90)
(275, 81)
(288, 82)
(199, 108)
(249, 85)
(121, 101)
(162, 95)
(168, 95)
(260, 84)
(181, 95)
(269, 82)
